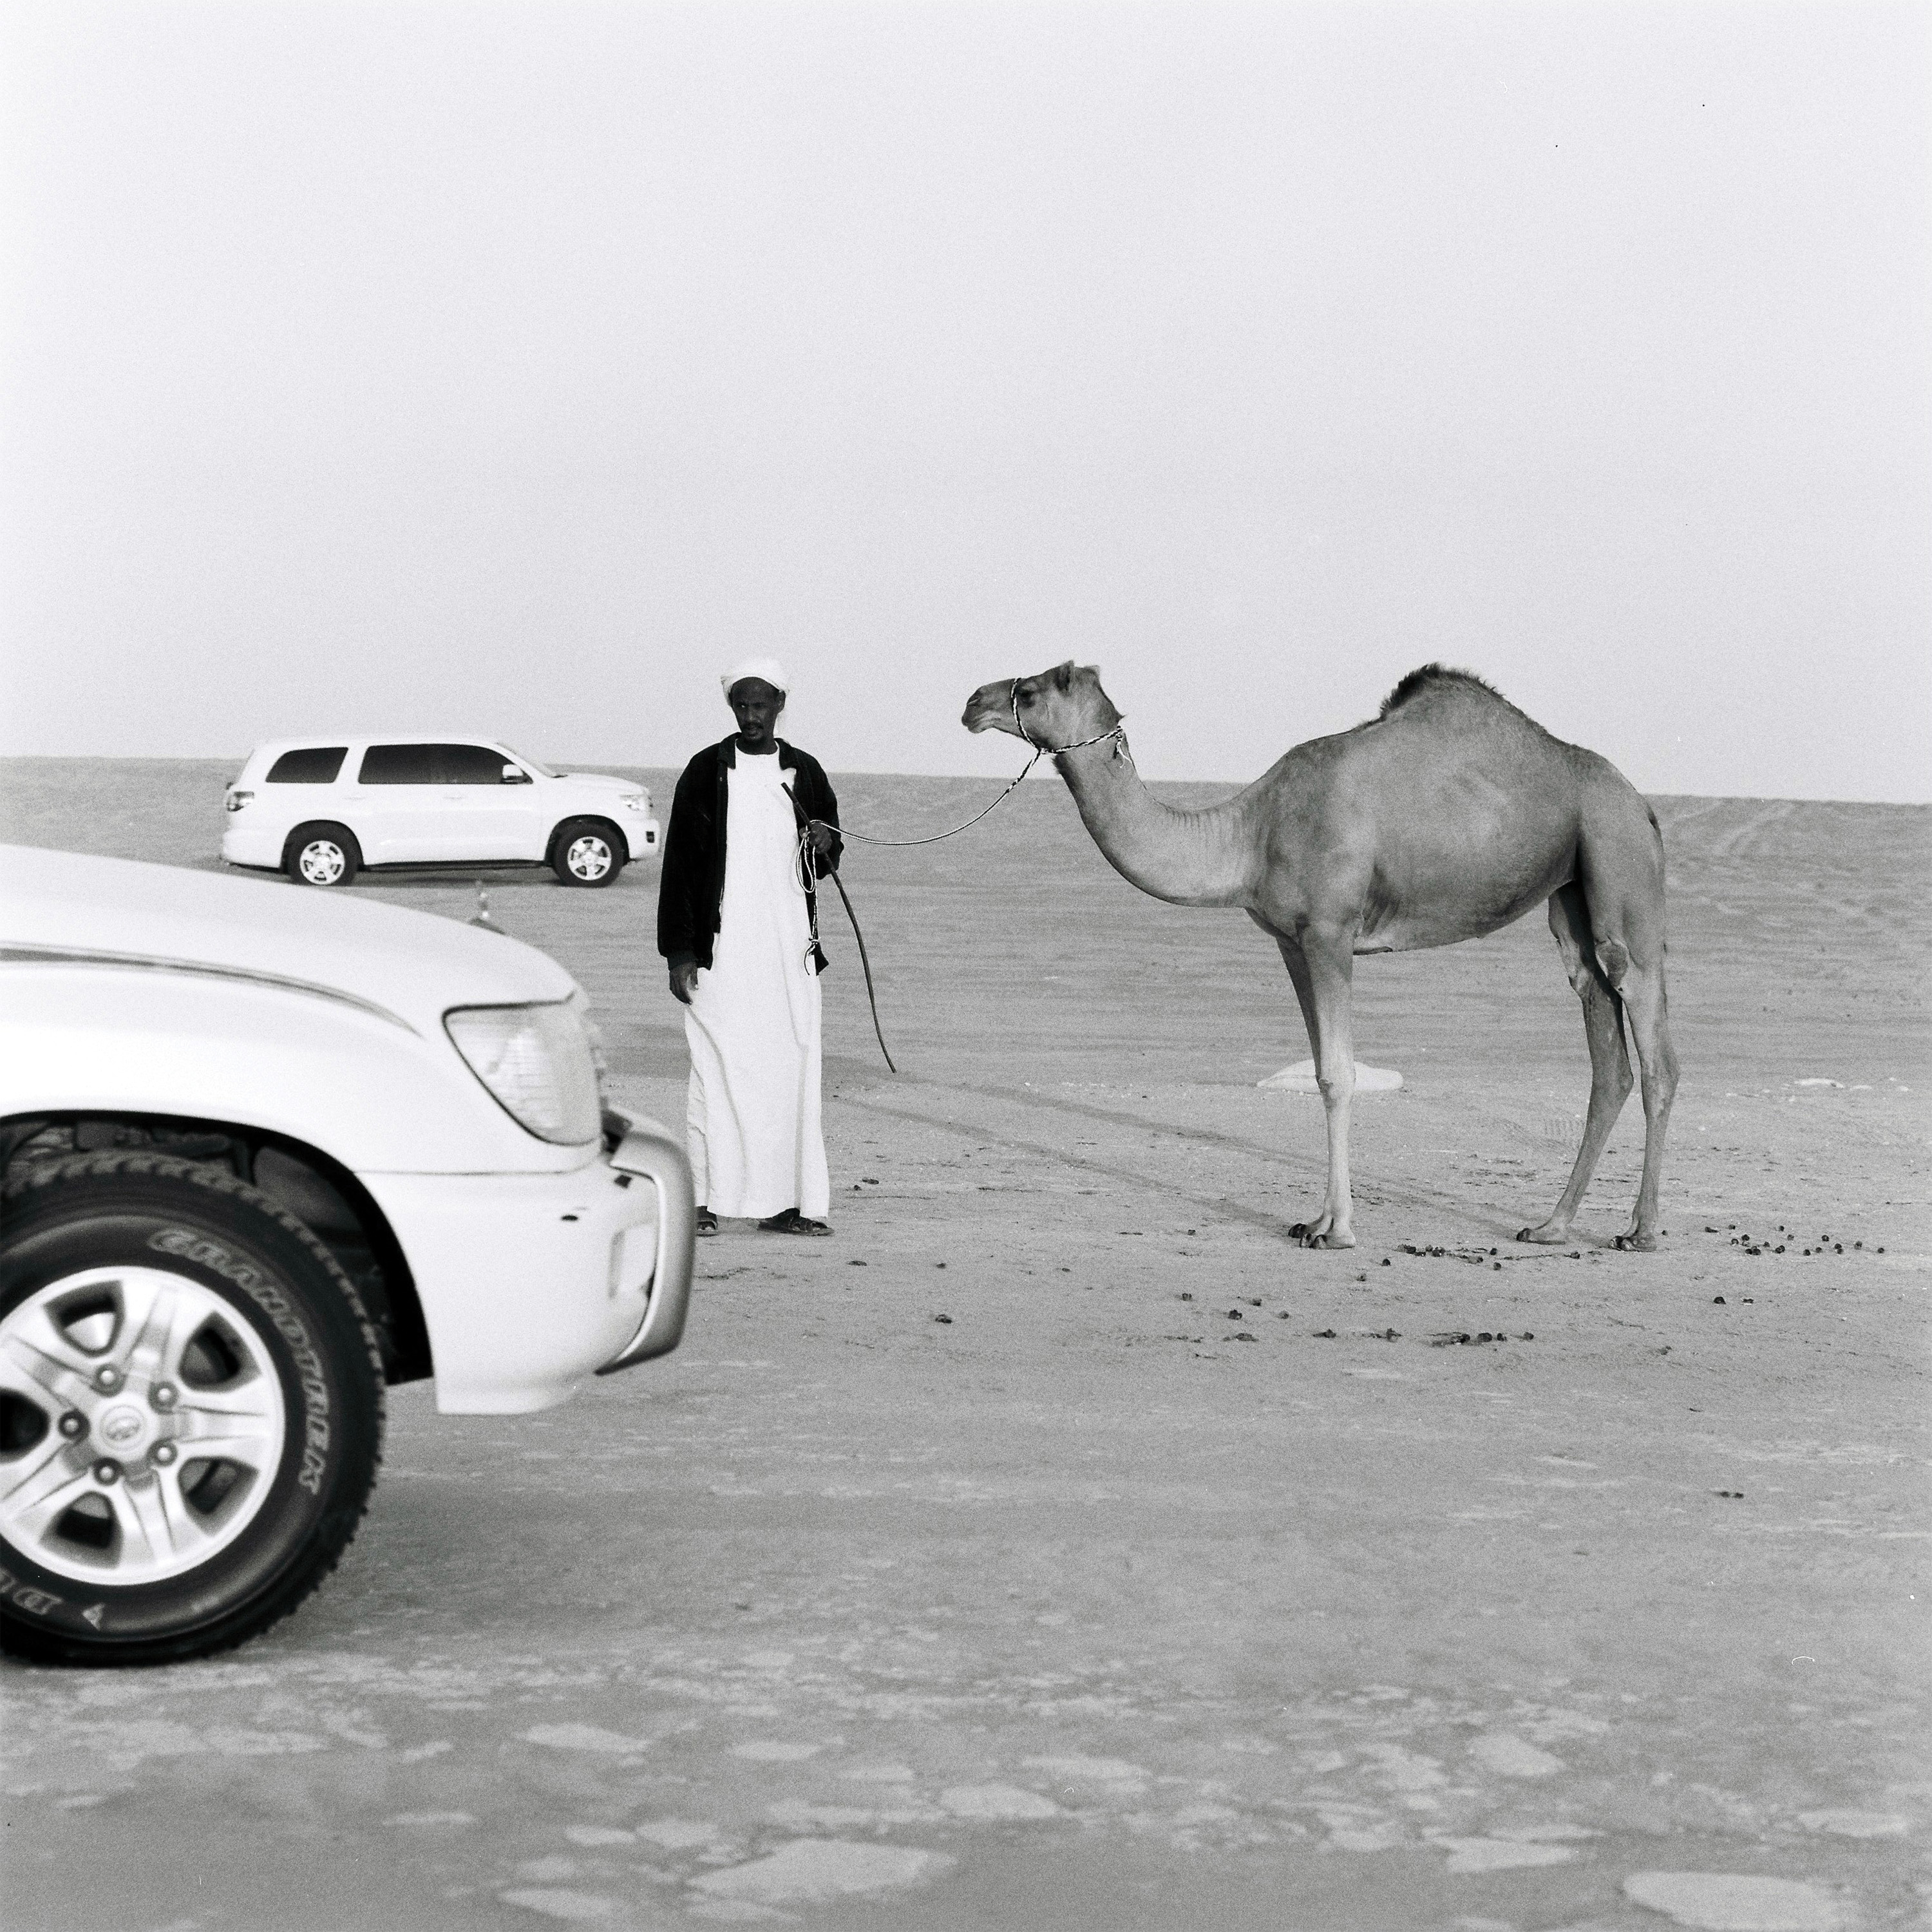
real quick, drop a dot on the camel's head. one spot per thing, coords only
(1064, 705)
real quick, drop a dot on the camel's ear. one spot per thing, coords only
(1062, 676)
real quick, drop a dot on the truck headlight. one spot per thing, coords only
(636, 801)
(537, 1063)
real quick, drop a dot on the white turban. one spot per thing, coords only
(768, 669)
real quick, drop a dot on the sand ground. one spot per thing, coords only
(1058, 1546)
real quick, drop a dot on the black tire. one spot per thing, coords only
(587, 852)
(322, 854)
(100, 1253)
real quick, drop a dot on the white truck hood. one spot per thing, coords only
(412, 965)
(600, 781)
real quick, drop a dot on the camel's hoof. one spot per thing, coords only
(1547, 1236)
(1637, 1244)
(1327, 1238)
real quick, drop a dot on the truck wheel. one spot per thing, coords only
(190, 1411)
(586, 852)
(321, 855)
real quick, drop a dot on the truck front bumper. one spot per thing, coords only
(529, 1282)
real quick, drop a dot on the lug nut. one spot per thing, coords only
(107, 1378)
(163, 1395)
(163, 1453)
(106, 1473)
(73, 1425)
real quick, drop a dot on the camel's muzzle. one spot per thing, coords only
(989, 708)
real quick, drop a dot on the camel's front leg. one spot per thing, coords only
(1322, 965)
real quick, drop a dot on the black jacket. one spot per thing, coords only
(691, 888)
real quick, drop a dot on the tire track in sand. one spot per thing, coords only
(1474, 1215)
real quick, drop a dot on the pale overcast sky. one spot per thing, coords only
(510, 369)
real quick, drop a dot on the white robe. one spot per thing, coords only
(753, 1120)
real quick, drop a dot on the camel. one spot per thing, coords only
(1446, 816)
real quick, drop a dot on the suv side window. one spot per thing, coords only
(312, 765)
(399, 764)
(470, 764)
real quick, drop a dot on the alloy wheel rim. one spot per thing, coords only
(323, 862)
(144, 1422)
(588, 857)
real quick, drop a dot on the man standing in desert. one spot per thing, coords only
(737, 925)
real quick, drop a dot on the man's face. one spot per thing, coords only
(756, 705)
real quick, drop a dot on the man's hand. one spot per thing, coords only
(822, 835)
(683, 980)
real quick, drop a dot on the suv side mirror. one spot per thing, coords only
(515, 774)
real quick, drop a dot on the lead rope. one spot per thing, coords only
(804, 855)
(865, 960)
(805, 873)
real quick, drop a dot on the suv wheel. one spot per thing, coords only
(321, 855)
(190, 1411)
(586, 852)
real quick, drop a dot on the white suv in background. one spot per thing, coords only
(321, 809)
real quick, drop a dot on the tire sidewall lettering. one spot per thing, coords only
(36, 1602)
(191, 1245)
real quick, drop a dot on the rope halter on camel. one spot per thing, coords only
(1039, 751)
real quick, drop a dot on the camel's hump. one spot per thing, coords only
(1425, 676)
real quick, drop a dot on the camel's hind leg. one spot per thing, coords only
(1641, 985)
(1621, 870)
(1322, 968)
(1610, 1080)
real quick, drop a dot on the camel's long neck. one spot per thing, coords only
(1187, 858)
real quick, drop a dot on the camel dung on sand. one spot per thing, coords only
(1445, 817)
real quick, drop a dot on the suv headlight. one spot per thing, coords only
(538, 1064)
(636, 801)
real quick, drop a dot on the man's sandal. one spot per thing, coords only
(791, 1222)
(707, 1222)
